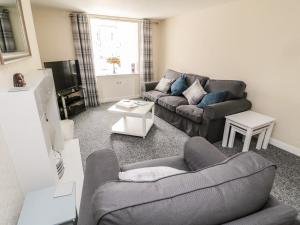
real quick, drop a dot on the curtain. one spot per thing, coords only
(146, 53)
(83, 52)
(7, 41)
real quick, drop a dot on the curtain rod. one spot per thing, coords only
(119, 18)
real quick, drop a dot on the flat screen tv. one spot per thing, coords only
(66, 74)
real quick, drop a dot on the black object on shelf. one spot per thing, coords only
(67, 82)
(71, 102)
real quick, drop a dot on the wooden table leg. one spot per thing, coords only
(144, 126)
(225, 134)
(247, 140)
(260, 139)
(268, 136)
(231, 138)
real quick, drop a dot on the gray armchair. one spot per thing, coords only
(101, 176)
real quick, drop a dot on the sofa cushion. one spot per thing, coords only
(172, 102)
(179, 86)
(194, 93)
(164, 85)
(172, 74)
(190, 78)
(191, 112)
(154, 95)
(235, 88)
(232, 189)
(212, 98)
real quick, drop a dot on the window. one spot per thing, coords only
(115, 38)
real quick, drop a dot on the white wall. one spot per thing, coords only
(10, 193)
(257, 41)
(54, 33)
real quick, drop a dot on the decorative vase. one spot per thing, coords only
(114, 69)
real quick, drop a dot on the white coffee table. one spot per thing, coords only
(135, 121)
(248, 123)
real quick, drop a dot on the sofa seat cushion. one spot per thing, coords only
(172, 102)
(191, 112)
(223, 192)
(154, 95)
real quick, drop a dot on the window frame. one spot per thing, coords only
(122, 19)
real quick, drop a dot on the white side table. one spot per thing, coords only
(41, 208)
(134, 121)
(248, 123)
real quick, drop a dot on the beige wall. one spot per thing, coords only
(257, 41)
(54, 34)
(27, 64)
(156, 49)
(10, 192)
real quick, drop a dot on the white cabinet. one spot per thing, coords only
(116, 87)
(31, 128)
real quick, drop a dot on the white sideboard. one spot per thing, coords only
(116, 87)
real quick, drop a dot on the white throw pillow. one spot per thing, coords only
(194, 93)
(164, 85)
(148, 173)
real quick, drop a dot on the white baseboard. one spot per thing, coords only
(284, 146)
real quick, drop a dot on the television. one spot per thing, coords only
(66, 74)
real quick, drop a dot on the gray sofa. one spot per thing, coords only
(214, 190)
(208, 122)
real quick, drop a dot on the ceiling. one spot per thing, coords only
(157, 9)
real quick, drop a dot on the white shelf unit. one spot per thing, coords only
(73, 167)
(30, 124)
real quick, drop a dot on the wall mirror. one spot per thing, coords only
(13, 36)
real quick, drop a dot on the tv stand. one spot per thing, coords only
(71, 102)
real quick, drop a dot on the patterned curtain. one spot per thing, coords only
(147, 47)
(83, 52)
(7, 41)
(146, 55)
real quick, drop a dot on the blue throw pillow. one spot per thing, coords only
(179, 86)
(212, 98)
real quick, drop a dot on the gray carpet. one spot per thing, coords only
(93, 130)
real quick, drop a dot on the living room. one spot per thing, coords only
(150, 112)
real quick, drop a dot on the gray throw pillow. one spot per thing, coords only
(194, 93)
(164, 85)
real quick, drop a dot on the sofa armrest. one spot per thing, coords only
(222, 109)
(101, 166)
(199, 153)
(149, 86)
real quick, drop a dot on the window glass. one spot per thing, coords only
(115, 45)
